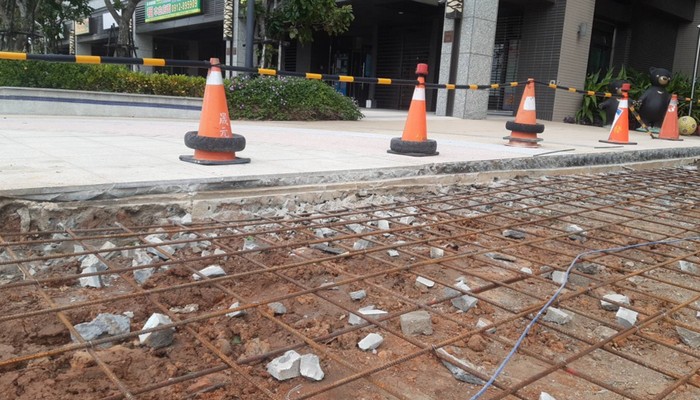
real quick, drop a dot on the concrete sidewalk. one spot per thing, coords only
(69, 158)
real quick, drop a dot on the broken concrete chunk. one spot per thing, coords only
(249, 243)
(358, 295)
(277, 308)
(424, 281)
(187, 309)
(107, 246)
(328, 249)
(186, 219)
(368, 310)
(513, 234)
(559, 277)
(235, 313)
(687, 266)
(464, 303)
(361, 244)
(459, 373)
(416, 323)
(219, 252)
(163, 251)
(141, 257)
(691, 338)
(286, 366)
(557, 316)
(546, 396)
(618, 298)
(324, 232)
(436, 252)
(92, 261)
(483, 322)
(588, 268)
(357, 228)
(501, 257)
(383, 224)
(157, 339)
(626, 318)
(103, 325)
(142, 275)
(90, 281)
(526, 270)
(310, 367)
(211, 271)
(408, 220)
(393, 253)
(370, 342)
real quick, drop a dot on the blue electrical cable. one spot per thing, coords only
(554, 297)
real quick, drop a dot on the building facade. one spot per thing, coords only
(462, 41)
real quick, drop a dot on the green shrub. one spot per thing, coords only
(284, 99)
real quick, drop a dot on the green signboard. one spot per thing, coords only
(157, 10)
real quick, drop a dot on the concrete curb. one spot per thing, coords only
(37, 101)
(398, 176)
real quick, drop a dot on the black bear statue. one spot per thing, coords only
(653, 103)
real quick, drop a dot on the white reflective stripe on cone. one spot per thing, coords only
(623, 103)
(215, 78)
(529, 104)
(419, 94)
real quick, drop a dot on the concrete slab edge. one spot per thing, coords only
(401, 176)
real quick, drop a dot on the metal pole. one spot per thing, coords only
(695, 73)
(249, 33)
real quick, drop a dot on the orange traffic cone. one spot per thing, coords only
(619, 131)
(213, 143)
(414, 141)
(669, 128)
(525, 128)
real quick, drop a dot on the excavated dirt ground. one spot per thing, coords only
(272, 254)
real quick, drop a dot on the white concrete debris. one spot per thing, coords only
(361, 244)
(249, 243)
(91, 261)
(103, 324)
(163, 251)
(393, 253)
(358, 295)
(354, 319)
(526, 270)
(459, 373)
(383, 225)
(408, 220)
(436, 252)
(463, 302)
(546, 396)
(357, 228)
(90, 281)
(557, 316)
(211, 271)
(310, 367)
(513, 234)
(287, 366)
(108, 246)
(219, 252)
(277, 308)
(141, 257)
(588, 268)
(618, 298)
(235, 313)
(157, 339)
(559, 277)
(691, 338)
(187, 309)
(425, 281)
(142, 275)
(625, 317)
(416, 323)
(687, 266)
(482, 322)
(370, 342)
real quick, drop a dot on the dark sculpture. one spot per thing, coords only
(610, 105)
(653, 103)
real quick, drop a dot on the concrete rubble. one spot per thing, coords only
(286, 366)
(235, 313)
(157, 339)
(211, 271)
(526, 270)
(617, 298)
(358, 295)
(436, 252)
(249, 243)
(90, 281)
(93, 262)
(393, 253)
(687, 266)
(108, 246)
(368, 310)
(557, 316)
(324, 232)
(310, 367)
(546, 396)
(425, 282)
(559, 277)
(161, 250)
(103, 325)
(407, 220)
(277, 308)
(361, 244)
(383, 225)
(416, 323)
(187, 309)
(513, 234)
(588, 268)
(328, 249)
(501, 257)
(459, 373)
(625, 317)
(370, 342)
(462, 302)
(691, 338)
(483, 322)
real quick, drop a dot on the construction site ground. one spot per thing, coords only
(323, 211)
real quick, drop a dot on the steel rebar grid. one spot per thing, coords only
(467, 224)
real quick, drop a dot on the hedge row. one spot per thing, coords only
(260, 98)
